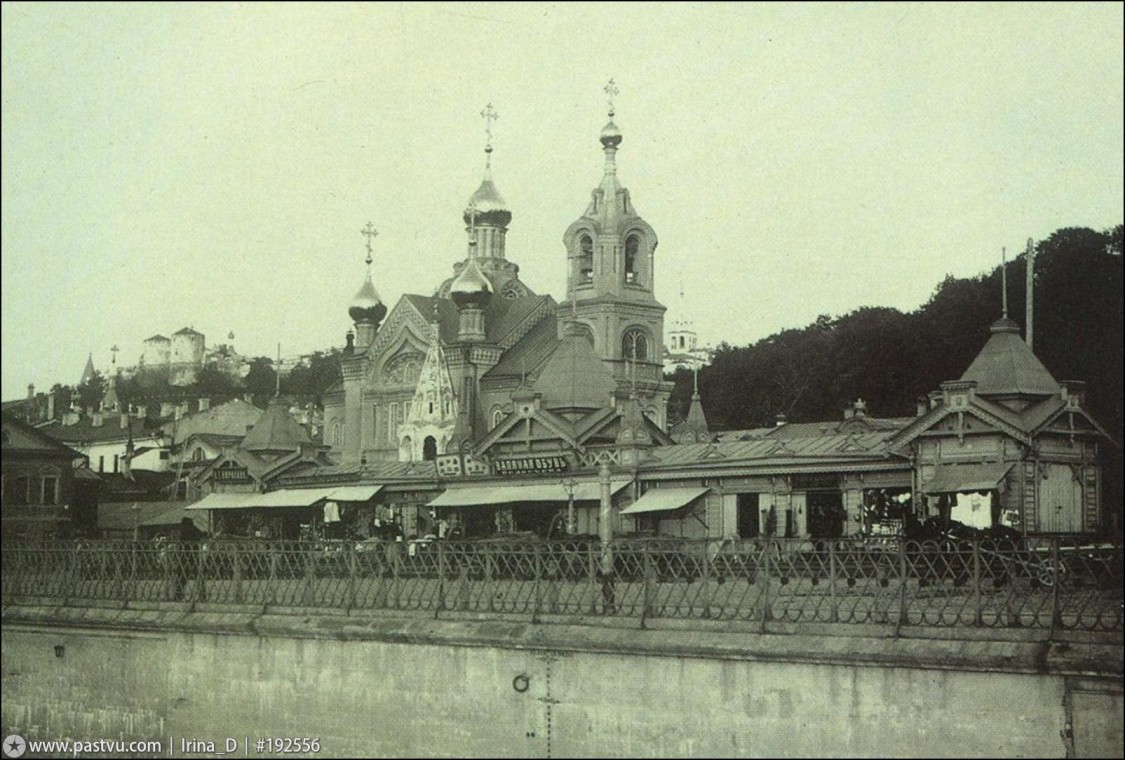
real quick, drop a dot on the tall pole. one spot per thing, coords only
(1004, 280)
(605, 515)
(1029, 313)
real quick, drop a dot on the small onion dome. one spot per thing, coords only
(491, 208)
(470, 287)
(367, 306)
(611, 135)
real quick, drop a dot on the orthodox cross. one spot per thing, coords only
(610, 91)
(489, 115)
(114, 351)
(370, 233)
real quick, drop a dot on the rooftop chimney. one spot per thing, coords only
(923, 405)
(204, 404)
(97, 419)
(849, 412)
(779, 420)
(860, 407)
(31, 390)
(51, 405)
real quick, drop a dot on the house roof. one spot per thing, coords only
(122, 516)
(187, 331)
(31, 439)
(229, 419)
(276, 430)
(85, 431)
(801, 449)
(574, 377)
(1007, 366)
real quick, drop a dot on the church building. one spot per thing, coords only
(455, 371)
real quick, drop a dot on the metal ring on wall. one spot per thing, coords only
(521, 683)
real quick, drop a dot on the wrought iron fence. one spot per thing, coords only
(1039, 583)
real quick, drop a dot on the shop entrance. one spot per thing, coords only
(826, 514)
(749, 521)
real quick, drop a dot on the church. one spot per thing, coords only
(484, 359)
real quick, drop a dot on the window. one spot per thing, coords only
(164, 454)
(375, 423)
(497, 417)
(197, 455)
(116, 459)
(392, 428)
(101, 463)
(634, 344)
(586, 265)
(336, 435)
(50, 490)
(16, 490)
(429, 448)
(632, 249)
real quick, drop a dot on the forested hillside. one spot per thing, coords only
(889, 358)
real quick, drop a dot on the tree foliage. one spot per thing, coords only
(889, 358)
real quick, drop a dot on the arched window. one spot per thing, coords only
(634, 344)
(197, 455)
(336, 434)
(429, 448)
(586, 247)
(497, 417)
(632, 252)
(587, 333)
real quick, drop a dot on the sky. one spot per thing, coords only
(213, 165)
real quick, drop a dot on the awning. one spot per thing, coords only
(470, 496)
(354, 493)
(961, 478)
(225, 501)
(124, 516)
(664, 500)
(290, 497)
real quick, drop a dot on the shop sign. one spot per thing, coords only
(529, 465)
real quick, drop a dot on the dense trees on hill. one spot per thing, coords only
(889, 359)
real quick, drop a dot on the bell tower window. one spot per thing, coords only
(634, 345)
(632, 249)
(586, 264)
(429, 448)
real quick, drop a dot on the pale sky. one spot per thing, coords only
(212, 165)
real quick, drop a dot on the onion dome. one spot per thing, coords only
(367, 306)
(470, 287)
(491, 208)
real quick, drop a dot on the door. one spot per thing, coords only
(1060, 499)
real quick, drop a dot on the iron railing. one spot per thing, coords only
(1046, 583)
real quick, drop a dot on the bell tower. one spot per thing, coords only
(611, 279)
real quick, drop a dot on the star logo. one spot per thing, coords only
(14, 746)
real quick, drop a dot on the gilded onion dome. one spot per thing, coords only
(611, 135)
(491, 208)
(367, 306)
(470, 287)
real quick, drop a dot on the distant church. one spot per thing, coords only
(456, 370)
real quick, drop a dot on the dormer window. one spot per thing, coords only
(586, 264)
(632, 249)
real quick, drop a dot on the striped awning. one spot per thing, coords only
(471, 496)
(224, 501)
(664, 500)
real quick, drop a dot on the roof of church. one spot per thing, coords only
(1007, 366)
(502, 316)
(574, 377)
(276, 430)
(529, 352)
